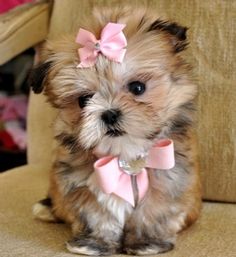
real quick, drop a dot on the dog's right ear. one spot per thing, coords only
(37, 77)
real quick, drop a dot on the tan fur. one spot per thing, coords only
(106, 224)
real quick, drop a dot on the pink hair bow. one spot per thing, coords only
(114, 179)
(111, 44)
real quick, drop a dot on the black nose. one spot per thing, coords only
(110, 117)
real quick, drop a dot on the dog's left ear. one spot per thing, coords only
(177, 32)
(37, 77)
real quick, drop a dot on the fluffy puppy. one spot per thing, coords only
(121, 109)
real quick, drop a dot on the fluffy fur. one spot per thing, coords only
(105, 224)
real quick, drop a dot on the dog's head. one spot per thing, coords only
(120, 108)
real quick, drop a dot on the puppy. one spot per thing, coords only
(116, 102)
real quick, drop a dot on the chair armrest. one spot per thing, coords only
(23, 27)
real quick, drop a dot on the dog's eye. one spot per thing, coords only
(83, 99)
(136, 87)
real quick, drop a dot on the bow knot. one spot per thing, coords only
(97, 46)
(111, 44)
(114, 177)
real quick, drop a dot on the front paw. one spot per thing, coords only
(91, 246)
(148, 247)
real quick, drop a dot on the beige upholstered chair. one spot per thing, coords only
(212, 52)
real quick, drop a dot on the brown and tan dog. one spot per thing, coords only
(151, 97)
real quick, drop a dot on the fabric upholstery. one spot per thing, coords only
(21, 235)
(23, 27)
(212, 36)
(40, 130)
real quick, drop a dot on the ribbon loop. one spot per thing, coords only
(161, 155)
(108, 179)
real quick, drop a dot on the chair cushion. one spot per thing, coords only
(21, 28)
(21, 235)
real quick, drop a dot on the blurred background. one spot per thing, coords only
(13, 99)
(13, 110)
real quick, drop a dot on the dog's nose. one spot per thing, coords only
(110, 117)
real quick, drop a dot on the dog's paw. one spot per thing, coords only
(90, 246)
(149, 248)
(42, 210)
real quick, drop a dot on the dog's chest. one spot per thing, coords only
(118, 208)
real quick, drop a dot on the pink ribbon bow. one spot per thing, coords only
(113, 179)
(111, 44)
